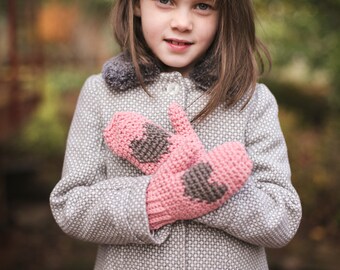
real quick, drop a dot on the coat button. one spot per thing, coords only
(173, 89)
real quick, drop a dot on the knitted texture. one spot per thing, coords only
(145, 144)
(181, 195)
(188, 182)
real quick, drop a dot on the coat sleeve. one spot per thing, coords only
(267, 210)
(87, 205)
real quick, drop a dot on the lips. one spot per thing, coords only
(177, 42)
(178, 46)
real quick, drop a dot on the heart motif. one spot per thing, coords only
(153, 145)
(197, 185)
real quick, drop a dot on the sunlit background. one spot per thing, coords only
(49, 47)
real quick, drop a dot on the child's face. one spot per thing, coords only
(178, 32)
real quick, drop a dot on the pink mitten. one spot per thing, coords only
(175, 194)
(145, 144)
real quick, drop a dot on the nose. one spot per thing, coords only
(181, 21)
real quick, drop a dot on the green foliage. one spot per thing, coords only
(66, 79)
(305, 29)
(45, 134)
(99, 8)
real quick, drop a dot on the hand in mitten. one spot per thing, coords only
(177, 194)
(145, 144)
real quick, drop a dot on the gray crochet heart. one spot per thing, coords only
(197, 185)
(153, 145)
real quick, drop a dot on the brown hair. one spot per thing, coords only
(236, 49)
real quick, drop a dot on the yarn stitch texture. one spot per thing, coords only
(174, 194)
(178, 191)
(145, 144)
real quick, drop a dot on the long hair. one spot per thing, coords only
(236, 50)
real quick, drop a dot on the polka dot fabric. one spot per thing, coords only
(101, 198)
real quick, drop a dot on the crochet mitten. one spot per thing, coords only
(175, 194)
(145, 144)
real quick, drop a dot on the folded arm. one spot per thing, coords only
(87, 205)
(267, 210)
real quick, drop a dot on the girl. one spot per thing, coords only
(152, 189)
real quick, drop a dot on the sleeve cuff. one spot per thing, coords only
(137, 216)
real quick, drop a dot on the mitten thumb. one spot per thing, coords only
(179, 120)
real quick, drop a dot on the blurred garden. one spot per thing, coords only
(49, 47)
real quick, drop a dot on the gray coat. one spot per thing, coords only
(101, 197)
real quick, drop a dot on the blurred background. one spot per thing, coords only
(49, 47)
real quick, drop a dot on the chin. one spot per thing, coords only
(177, 65)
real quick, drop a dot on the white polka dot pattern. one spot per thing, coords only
(101, 197)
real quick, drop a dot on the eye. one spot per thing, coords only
(164, 2)
(203, 6)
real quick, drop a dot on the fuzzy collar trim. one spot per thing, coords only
(119, 73)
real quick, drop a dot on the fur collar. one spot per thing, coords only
(119, 73)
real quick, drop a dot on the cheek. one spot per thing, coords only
(150, 30)
(208, 33)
